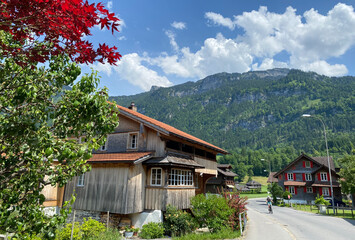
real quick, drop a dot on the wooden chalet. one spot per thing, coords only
(306, 177)
(223, 181)
(144, 166)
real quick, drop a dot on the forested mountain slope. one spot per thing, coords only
(258, 110)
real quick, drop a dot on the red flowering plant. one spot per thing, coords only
(44, 108)
(238, 204)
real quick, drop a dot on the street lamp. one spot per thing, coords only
(269, 167)
(326, 145)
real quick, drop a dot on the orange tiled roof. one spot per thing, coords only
(118, 157)
(171, 129)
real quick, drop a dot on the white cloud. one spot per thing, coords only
(130, 68)
(171, 37)
(218, 19)
(178, 25)
(216, 55)
(109, 5)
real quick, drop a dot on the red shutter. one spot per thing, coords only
(294, 177)
(303, 177)
(313, 189)
(304, 189)
(330, 192)
(304, 164)
(320, 191)
(286, 176)
(319, 176)
(311, 164)
(328, 176)
(295, 190)
(286, 188)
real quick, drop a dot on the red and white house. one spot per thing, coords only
(306, 177)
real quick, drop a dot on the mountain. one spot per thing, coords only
(258, 110)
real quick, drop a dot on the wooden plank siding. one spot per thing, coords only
(159, 198)
(210, 166)
(118, 189)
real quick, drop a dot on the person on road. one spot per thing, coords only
(269, 204)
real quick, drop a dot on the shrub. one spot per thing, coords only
(238, 204)
(65, 233)
(286, 194)
(178, 222)
(92, 228)
(321, 201)
(212, 211)
(152, 230)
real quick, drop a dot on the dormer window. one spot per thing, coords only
(133, 141)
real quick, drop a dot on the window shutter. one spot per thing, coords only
(286, 176)
(295, 190)
(294, 177)
(328, 176)
(319, 176)
(303, 177)
(320, 191)
(304, 189)
(313, 189)
(311, 164)
(286, 188)
(330, 192)
(304, 164)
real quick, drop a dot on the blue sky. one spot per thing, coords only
(165, 42)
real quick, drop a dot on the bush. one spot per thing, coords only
(178, 222)
(238, 204)
(286, 194)
(321, 201)
(92, 228)
(89, 229)
(152, 230)
(65, 233)
(212, 211)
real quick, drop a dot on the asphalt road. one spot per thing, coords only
(286, 223)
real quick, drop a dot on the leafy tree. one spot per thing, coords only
(347, 173)
(276, 191)
(44, 108)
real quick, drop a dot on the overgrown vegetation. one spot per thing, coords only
(178, 222)
(89, 229)
(152, 230)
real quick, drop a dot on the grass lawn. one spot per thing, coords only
(341, 213)
(254, 195)
(224, 234)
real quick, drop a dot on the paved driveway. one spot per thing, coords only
(287, 223)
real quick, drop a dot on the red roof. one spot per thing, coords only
(171, 129)
(118, 157)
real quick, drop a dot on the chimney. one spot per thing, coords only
(133, 107)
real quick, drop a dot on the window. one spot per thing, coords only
(308, 164)
(308, 177)
(323, 176)
(309, 190)
(81, 179)
(325, 191)
(290, 176)
(133, 141)
(291, 189)
(178, 177)
(156, 177)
